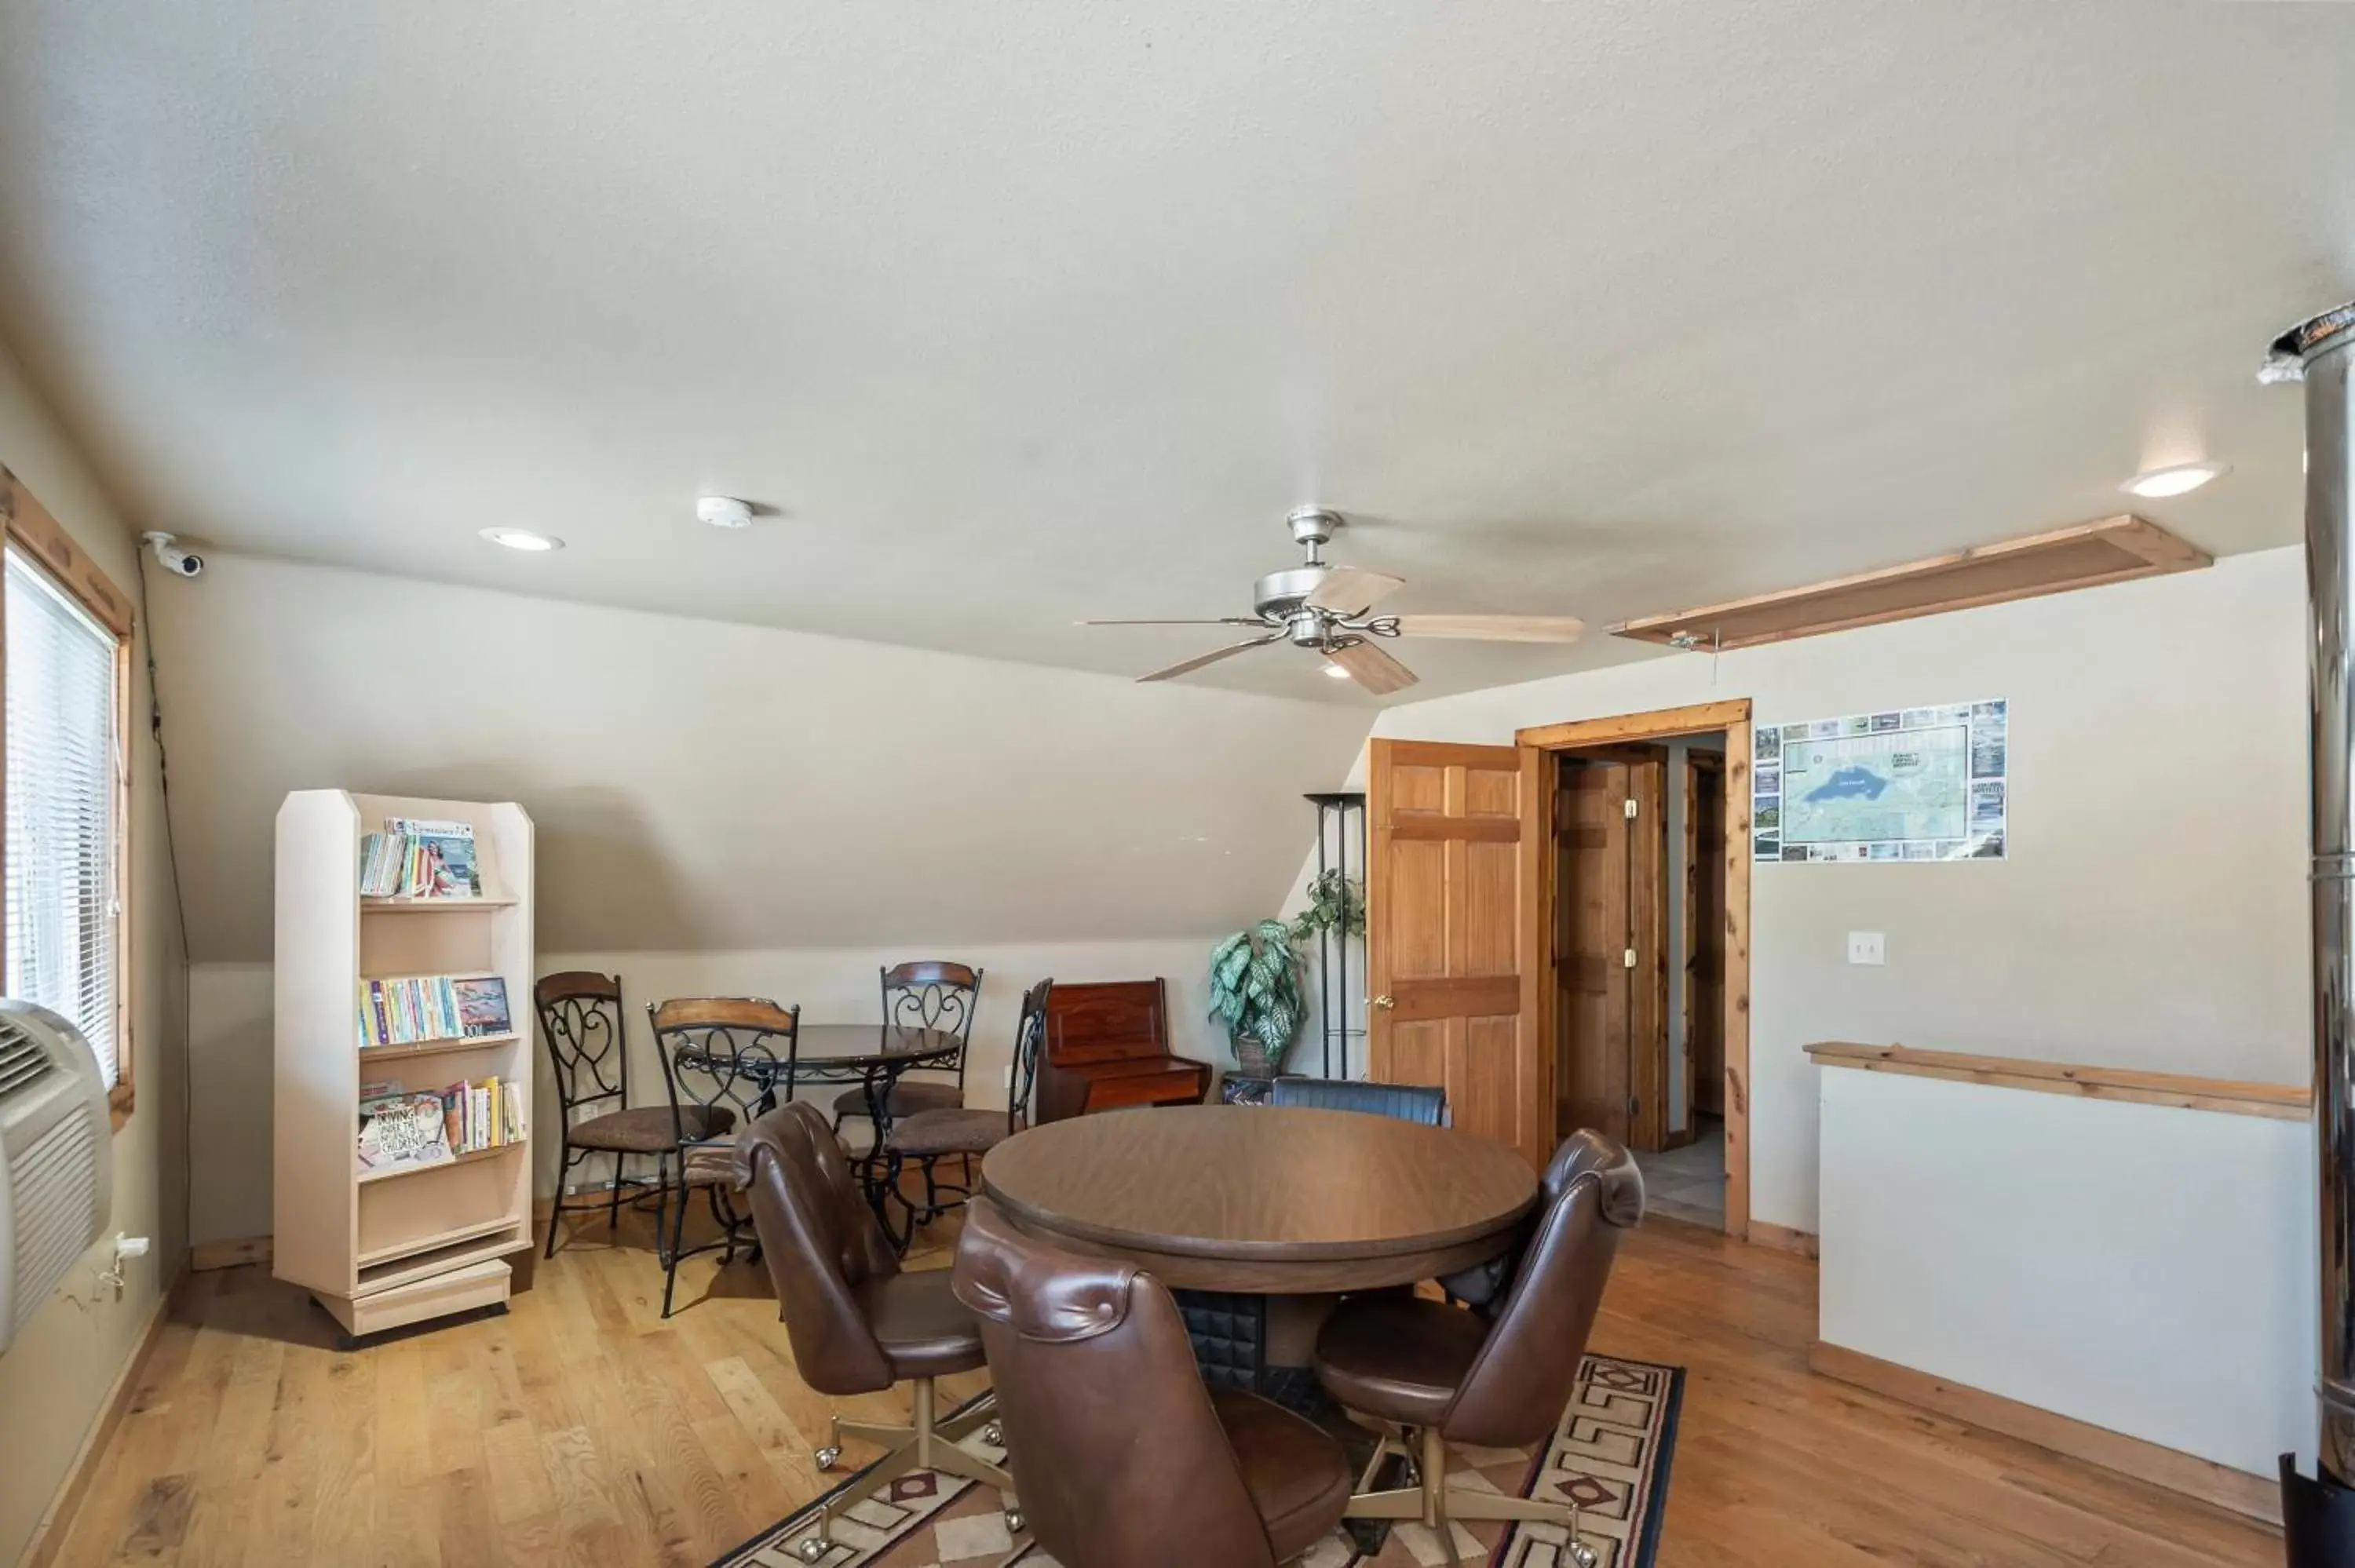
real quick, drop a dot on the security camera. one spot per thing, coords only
(178, 562)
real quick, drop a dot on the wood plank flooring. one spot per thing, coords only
(580, 1428)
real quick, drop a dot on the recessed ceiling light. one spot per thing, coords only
(2180, 479)
(1337, 672)
(523, 539)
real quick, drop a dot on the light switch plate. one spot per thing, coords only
(1866, 948)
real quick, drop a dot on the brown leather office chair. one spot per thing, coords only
(1125, 1459)
(1431, 1375)
(856, 1323)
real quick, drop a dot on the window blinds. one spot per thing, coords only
(62, 919)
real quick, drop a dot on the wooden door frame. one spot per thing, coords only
(1539, 745)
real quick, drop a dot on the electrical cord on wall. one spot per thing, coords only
(179, 914)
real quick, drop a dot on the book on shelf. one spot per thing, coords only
(406, 1011)
(416, 857)
(400, 1131)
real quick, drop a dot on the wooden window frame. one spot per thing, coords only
(25, 522)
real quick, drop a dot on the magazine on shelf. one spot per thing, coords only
(399, 1128)
(409, 1011)
(481, 1004)
(441, 862)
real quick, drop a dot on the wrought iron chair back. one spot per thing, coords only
(734, 1055)
(725, 1060)
(1029, 1045)
(580, 1017)
(933, 993)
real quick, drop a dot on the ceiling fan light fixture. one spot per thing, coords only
(2175, 478)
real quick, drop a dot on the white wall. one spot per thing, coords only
(2153, 911)
(2144, 1269)
(53, 1379)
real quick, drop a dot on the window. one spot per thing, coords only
(65, 796)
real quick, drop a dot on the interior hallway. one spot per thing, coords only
(1688, 1183)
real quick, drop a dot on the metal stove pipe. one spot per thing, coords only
(2319, 1513)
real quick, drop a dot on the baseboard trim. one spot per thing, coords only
(205, 1256)
(1784, 1238)
(50, 1535)
(2254, 1496)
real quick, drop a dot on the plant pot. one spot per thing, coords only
(1252, 1059)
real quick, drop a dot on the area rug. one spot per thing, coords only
(1610, 1455)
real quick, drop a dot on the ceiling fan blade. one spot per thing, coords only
(1345, 591)
(1494, 628)
(1221, 621)
(1371, 668)
(1212, 657)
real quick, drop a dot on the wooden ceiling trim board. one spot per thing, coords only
(2115, 549)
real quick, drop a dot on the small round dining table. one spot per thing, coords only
(1263, 1200)
(872, 1055)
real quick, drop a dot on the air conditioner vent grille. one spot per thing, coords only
(50, 1189)
(23, 1061)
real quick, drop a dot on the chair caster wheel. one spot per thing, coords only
(1014, 1521)
(1582, 1555)
(813, 1549)
(994, 1435)
(828, 1459)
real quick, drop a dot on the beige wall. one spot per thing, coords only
(2153, 911)
(700, 786)
(719, 808)
(55, 1378)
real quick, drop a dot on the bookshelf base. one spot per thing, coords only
(465, 1289)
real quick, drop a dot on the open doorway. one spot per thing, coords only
(1645, 910)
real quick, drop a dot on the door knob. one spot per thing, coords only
(1384, 1002)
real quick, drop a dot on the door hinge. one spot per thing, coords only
(1627, 960)
(1635, 1106)
(1630, 804)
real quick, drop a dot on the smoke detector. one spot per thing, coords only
(724, 511)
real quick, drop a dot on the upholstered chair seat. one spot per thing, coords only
(1427, 1374)
(1126, 1459)
(856, 1323)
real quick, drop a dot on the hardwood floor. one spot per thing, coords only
(580, 1428)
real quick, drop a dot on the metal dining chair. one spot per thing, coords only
(725, 1060)
(582, 1021)
(931, 1135)
(928, 993)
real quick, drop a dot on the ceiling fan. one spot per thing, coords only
(1328, 607)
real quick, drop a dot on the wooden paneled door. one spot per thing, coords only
(1451, 967)
(1610, 961)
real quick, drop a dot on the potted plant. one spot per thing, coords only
(1336, 903)
(1255, 974)
(1256, 992)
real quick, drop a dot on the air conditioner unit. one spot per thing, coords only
(57, 1169)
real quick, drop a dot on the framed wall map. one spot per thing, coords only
(1908, 784)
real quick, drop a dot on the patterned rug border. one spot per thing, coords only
(1654, 1510)
(772, 1531)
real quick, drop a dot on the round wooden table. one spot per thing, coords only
(1264, 1200)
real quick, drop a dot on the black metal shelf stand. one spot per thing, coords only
(1340, 846)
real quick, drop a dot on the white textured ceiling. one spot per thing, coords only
(1024, 312)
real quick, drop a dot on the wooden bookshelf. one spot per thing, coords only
(385, 1248)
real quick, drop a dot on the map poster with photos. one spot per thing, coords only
(1910, 784)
